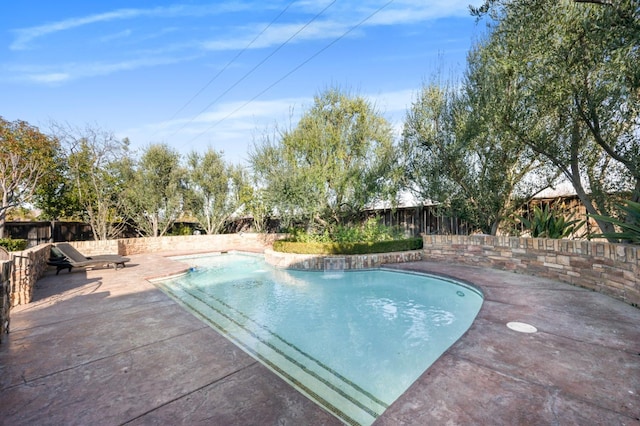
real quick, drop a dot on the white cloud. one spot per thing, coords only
(276, 35)
(233, 126)
(49, 78)
(116, 36)
(24, 36)
(335, 22)
(338, 20)
(406, 12)
(394, 101)
(73, 71)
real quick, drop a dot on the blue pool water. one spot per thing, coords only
(353, 341)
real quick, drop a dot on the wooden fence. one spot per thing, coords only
(428, 219)
(415, 221)
(47, 232)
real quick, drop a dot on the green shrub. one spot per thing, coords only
(287, 246)
(180, 229)
(370, 231)
(629, 227)
(13, 245)
(550, 223)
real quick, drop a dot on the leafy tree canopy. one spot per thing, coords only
(155, 191)
(569, 88)
(455, 156)
(94, 175)
(214, 189)
(27, 159)
(337, 160)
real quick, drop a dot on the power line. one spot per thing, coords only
(255, 67)
(303, 63)
(232, 61)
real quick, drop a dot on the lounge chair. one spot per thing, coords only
(65, 256)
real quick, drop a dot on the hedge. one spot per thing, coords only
(285, 246)
(13, 245)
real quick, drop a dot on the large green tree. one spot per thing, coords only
(155, 191)
(339, 159)
(97, 167)
(213, 189)
(455, 156)
(27, 159)
(576, 65)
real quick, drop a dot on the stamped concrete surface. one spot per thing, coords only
(106, 347)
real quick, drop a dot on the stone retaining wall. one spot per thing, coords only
(28, 267)
(5, 295)
(179, 244)
(314, 262)
(612, 269)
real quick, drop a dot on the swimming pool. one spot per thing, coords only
(353, 341)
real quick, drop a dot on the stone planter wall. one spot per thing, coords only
(612, 269)
(5, 295)
(314, 262)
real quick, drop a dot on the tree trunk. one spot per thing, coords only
(3, 218)
(494, 227)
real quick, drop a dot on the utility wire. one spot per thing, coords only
(252, 70)
(232, 60)
(303, 63)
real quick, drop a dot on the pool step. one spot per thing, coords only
(319, 382)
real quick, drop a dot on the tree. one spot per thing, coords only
(454, 155)
(26, 158)
(155, 191)
(212, 189)
(338, 159)
(97, 166)
(252, 199)
(55, 197)
(581, 84)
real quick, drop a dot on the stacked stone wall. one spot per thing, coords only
(5, 296)
(251, 242)
(309, 262)
(28, 267)
(612, 269)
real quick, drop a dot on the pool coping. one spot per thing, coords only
(95, 337)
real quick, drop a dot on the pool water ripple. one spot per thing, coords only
(339, 341)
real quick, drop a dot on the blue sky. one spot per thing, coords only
(198, 74)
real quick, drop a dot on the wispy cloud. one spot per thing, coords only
(276, 35)
(232, 133)
(116, 36)
(338, 20)
(263, 113)
(25, 36)
(235, 133)
(187, 45)
(413, 11)
(55, 75)
(247, 116)
(49, 78)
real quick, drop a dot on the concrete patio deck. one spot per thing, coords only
(105, 347)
